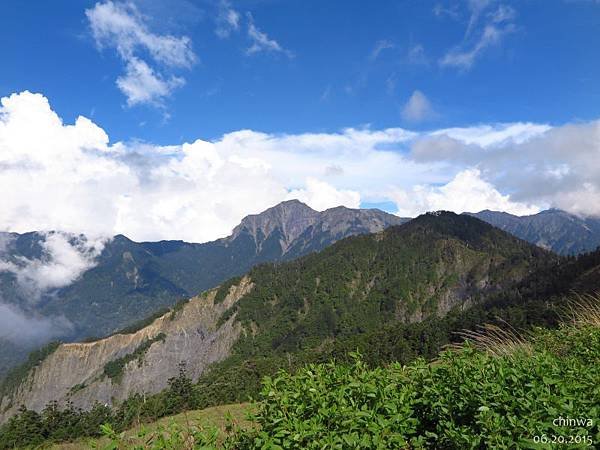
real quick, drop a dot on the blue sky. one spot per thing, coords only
(545, 69)
(175, 119)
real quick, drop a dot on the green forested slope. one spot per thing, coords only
(353, 296)
(404, 274)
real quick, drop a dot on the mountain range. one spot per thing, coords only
(129, 281)
(404, 274)
(121, 282)
(292, 285)
(553, 229)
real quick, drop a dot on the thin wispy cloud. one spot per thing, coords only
(441, 11)
(476, 8)
(261, 42)
(121, 26)
(325, 94)
(228, 20)
(504, 13)
(379, 47)
(416, 55)
(487, 26)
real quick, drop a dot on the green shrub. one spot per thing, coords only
(466, 399)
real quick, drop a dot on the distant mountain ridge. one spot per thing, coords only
(553, 229)
(404, 274)
(130, 281)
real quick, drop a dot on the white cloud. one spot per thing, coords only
(69, 177)
(26, 329)
(498, 24)
(417, 108)
(122, 27)
(261, 42)
(466, 192)
(228, 20)
(141, 84)
(538, 164)
(64, 258)
(61, 260)
(322, 195)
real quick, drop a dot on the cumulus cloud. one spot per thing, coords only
(70, 177)
(417, 108)
(261, 42)
(467, 191)
(122, 27)
(63, 259)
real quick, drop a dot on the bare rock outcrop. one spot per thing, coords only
(75, 371)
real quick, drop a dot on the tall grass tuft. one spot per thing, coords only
(495, 340)
(581, 310)
(584, 309)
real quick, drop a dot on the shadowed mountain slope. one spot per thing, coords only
(556, 230)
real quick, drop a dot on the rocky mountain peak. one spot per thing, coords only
(553, 229)
(294, 221)
(291, 218)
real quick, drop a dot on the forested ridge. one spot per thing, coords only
(364, 293)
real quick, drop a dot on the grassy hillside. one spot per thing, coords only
(219, 418)
(399, 294)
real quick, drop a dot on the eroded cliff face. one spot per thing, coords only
(75, 371)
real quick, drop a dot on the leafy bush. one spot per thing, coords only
(466, 399)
